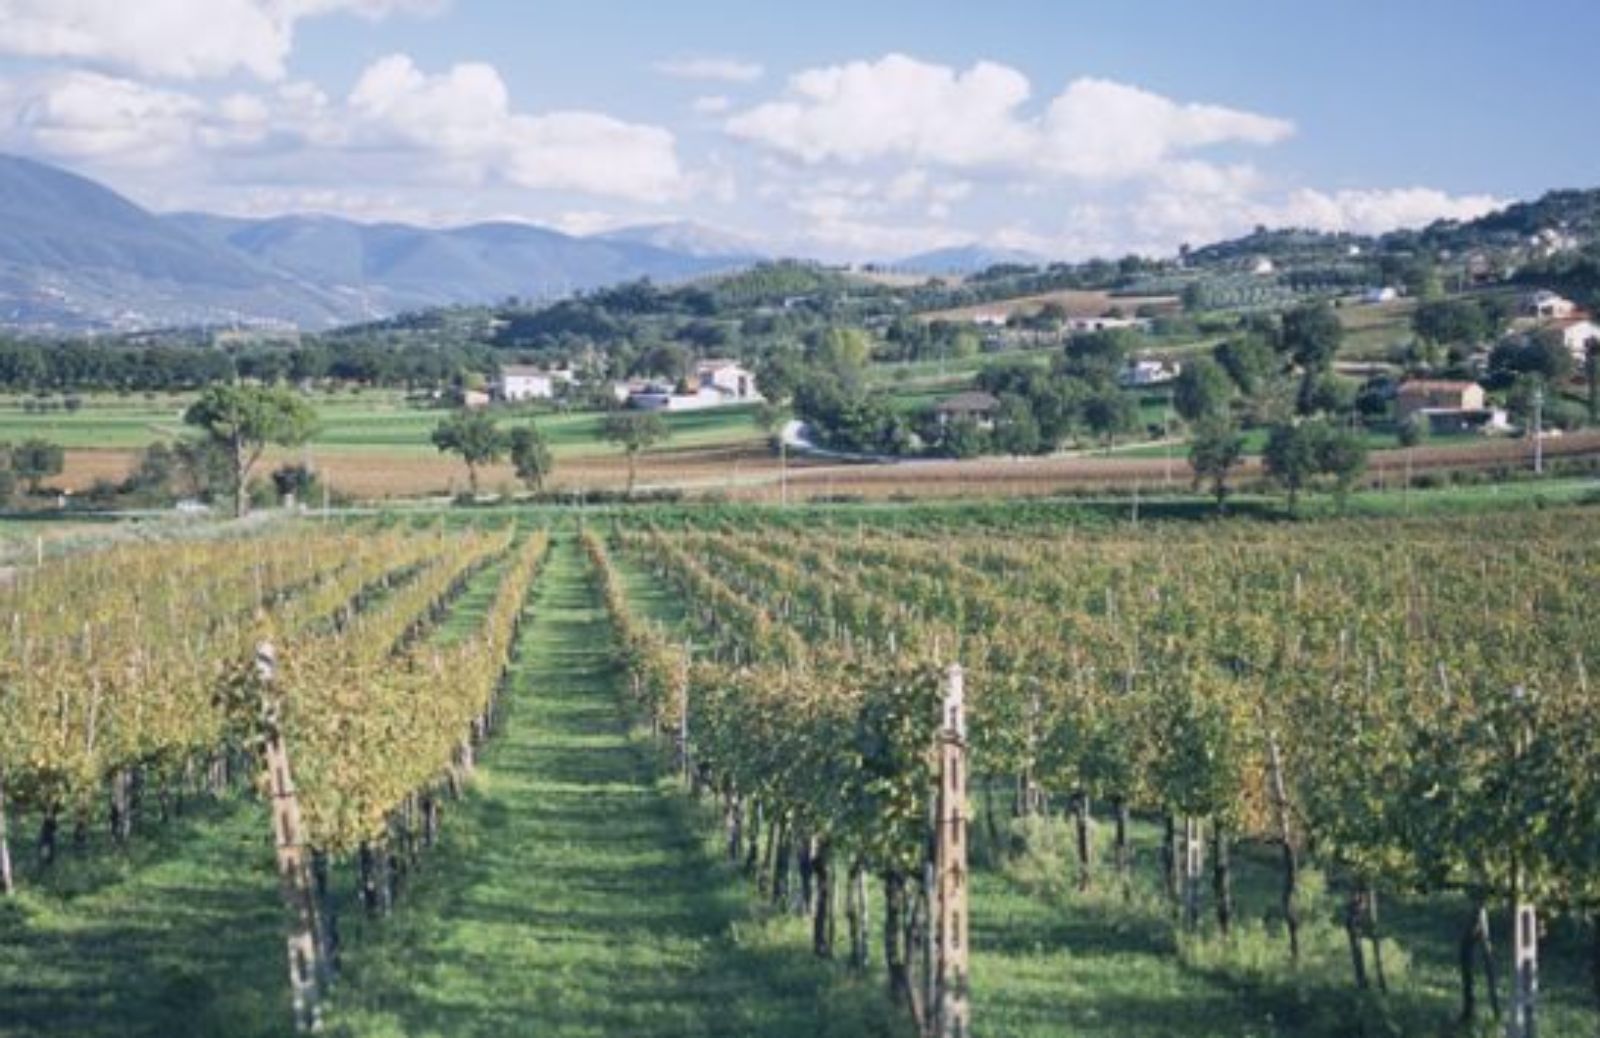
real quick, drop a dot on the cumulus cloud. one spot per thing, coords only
(723, 70)
(179, 39)
(895, 107)
(1377, 211)
(900, 107)
(464, 118)
(398, 124)
(89, 117)
(714, 104)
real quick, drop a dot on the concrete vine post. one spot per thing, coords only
(294, 876)
(951, 1011)
(7, 885)
(1523, 1021)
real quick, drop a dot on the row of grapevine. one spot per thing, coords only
(113, 660)
(824, 755)
(1411, 699)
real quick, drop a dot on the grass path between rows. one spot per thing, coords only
(572, 893)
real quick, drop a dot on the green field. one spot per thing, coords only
(379, 422)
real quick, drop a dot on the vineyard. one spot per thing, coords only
(1308, 778)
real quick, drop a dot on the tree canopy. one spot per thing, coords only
(245, 420)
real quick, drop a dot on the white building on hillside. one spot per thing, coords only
(1140, 373)
(1085, 325)
(523, 382)
(728, 377)
(1576, 333)
(1548, 306)
(715, 383)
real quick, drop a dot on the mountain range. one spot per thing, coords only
(77, 256)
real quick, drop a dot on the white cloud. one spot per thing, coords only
(899, 107)
(464, 118)
(1101, 130)
(1377, 211)
(722, 70)
(713, 105)
(179, 39)
(89, 117)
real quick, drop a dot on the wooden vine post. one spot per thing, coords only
(294, 873)
(951, 1009)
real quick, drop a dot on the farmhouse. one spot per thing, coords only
(522, 382)
(1547, 306)
(1576, 334)
(715, 383)
(728, 377)
(1383, 294)
(975, 405)
(991, 319)
(1147, 373)
(1085, 325)
(1421, 395)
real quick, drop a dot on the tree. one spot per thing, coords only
(244, 420)
(1342, 454)
(1249, 360)
(1450, 321)
(474, 436)
(531, 456)
(1110, 411)
(1216, 449)
(36, 460)
(1311, 335)
(1202, 390)
(1591, 375)
(1291, 457)
(1016, 431)
(843, 349)
(634, 431)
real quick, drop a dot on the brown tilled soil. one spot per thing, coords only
(750, 473)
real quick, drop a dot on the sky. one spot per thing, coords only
(842, 130)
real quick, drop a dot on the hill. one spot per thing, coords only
(966, 259)
(78, 256)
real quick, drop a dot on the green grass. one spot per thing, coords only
(379, 422)
(152, 941)
(572, 894)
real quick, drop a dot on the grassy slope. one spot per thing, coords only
(571, 894)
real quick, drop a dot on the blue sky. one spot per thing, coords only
(845, 130)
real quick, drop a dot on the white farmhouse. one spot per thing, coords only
(715, 383)
(728, 377)
(1547, 306)
(522, 382)
(1576, 334)
(1086, 325)
(1382, 294)
(1140, 373)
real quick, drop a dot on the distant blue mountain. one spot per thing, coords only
(689, 239)
(76, 255)
(965, 259)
